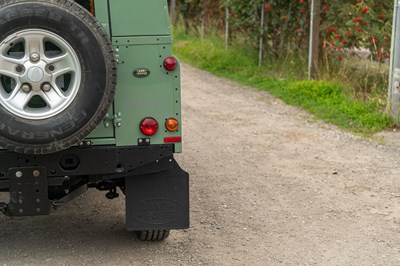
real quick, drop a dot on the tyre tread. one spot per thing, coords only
(153, 235)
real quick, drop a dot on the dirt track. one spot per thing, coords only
(269, 185)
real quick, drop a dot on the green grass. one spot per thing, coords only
(329, 101)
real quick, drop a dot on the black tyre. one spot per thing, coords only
(57, 75)
(153, 235)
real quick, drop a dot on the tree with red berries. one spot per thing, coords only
(343, 24)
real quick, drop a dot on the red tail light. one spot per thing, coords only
(170, 63)
(149, 126)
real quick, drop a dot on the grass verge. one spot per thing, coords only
(329, 101)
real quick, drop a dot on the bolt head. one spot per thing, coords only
(19, 69)
(26, 88)
(35, 57)
(51, 68)
(46, 87)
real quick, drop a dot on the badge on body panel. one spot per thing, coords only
(141, 72)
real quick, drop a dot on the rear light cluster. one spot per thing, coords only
(170, 63)
(149, 127)
(171, 124)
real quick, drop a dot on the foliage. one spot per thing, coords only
(330, 101)
(359, 23)
(344, 24)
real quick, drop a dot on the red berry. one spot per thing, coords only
(358, 19)
(267, 7)
(340, 58)
(364, 9)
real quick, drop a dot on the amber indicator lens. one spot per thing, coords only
(170, 63)
(171, 124)
(149, 126)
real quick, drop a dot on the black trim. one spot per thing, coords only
(108, 161)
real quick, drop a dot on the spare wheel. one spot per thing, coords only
(57, 75)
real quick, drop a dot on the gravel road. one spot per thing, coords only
(269, 186)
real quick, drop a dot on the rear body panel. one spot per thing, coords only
(142, 39)
(145, 18)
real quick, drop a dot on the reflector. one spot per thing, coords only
(172, 139)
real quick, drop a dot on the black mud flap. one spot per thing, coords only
(158, 201)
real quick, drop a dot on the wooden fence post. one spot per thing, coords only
(203, 23)
(172, 11)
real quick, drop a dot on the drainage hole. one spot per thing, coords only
(119, 168)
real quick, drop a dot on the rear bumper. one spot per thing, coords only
(108, 161)
(156, 188)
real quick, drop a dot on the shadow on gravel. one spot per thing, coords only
(89, 223)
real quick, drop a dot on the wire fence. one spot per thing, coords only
(323, 31)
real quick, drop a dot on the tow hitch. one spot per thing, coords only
(28, 192)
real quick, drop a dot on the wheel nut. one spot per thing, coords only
(19, 69)
(46, 87)
(35, 57)
(26, 88)
(51, 68)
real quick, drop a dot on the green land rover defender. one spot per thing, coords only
(90, 97)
